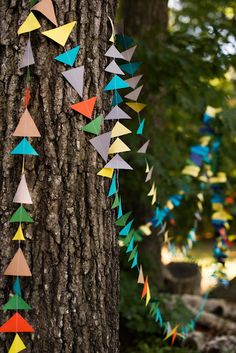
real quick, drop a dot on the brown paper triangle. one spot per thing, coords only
(18, 266)
(26, 126)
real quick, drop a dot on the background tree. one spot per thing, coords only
(72, 246)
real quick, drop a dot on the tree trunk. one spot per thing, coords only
(72, 246)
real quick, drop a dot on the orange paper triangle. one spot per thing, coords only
(27, 97)
(18, 266)
(85, 107)
(26, 126)
(16, 324)
(145, 288)
(47, 9)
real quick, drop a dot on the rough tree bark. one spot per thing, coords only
(72, 247)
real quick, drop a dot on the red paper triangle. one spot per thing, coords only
(16, 324)
(27, 97)
(85, 107)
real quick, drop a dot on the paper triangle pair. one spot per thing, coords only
(85, 107)
(26, 126)
(18, 266)
(60, 34)
(16, 324)
(46, 8)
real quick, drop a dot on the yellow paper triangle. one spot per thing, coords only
(148, 296)
(171, 332)
(60, 34)
(146, 228)
(19, 234)
(106, 172)
(118, 146)
(119, 130)
(137, 107)
(152, 191)
(30, 24)
(17, 345)
(154, 197)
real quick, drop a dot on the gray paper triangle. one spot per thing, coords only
(118, 163)
(149, 175)
(75, 77)
(102, 143)
(28, 57)
(127, 54)
(133, 96)
(114, 68)
(117, 114)
(133, 81)
(143, 149)
(114, 53)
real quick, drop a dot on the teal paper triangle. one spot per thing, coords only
(112, 189)
(16, 286)
(140, 128)
(125, 41)
(116, 83)
(135, 261)
(24, 147)
(120, 212)
(125, 231)
(130, 68)
(117, 99)
(94, 127)
(131, 245)
(69, 56)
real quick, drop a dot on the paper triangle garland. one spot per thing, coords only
(75, 77)
(17, 345)
(94, 127)
(116, 201)
(137, 107)
(18, 266)
(28, 57)
(140, 276)
(114, 68)
(46, 8)
(69, 56)
(117, 99)
(119, 130)
(85, 107)
(16, 324)
(117, 114)
(127, 54)
(101, 143)
(106, 172)
(118, 163)
(141, 127)
(143, 149)
(113, 188)
(22, 194)
(21, 216)
(130, 68)
(30, 24)
(118, 146)
(19, 234)
(60, 34)
(133, 81)
(24, 147)
(133, 96)
(16, 286)
(26, 126)
(112, 52)
(16, 303)
(116, 83)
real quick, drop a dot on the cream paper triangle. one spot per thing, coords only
(22, 193)
(60, 34)
(119, 130)
(30, 24)
(140, 276)
(118, 146)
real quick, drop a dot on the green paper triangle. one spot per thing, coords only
(32, 2)
(21, 215)
(132, 255)
(116, 201)
(16, 303)
(94, 127)
(123, 219)
(127, 239)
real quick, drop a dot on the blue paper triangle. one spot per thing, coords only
(120, 212)
(116, 83)
(69, 56)
(16, 287)
(135, 261)
(130, 68)
(112, 189)
(117, 99)
(125, 231)
(140, 128)
(125, 41)
(24, 147)
(131, 245)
